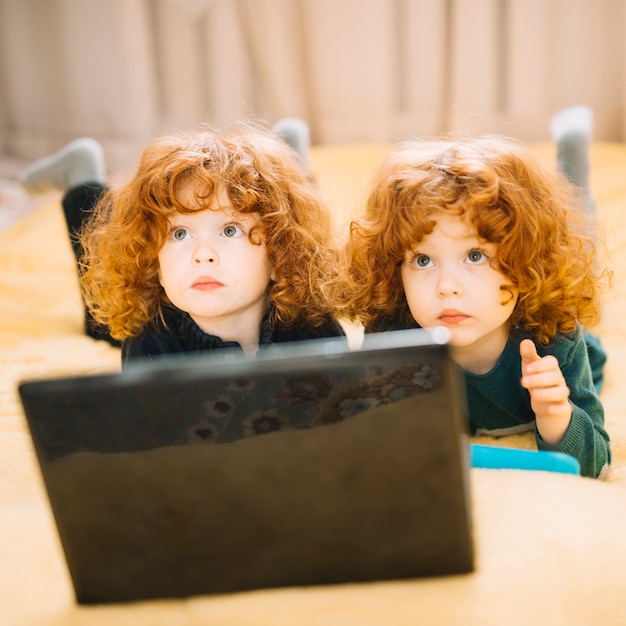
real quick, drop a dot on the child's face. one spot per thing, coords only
(210, 269)
(449, 281)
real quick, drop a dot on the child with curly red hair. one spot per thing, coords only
(478, 236)
(219, 240)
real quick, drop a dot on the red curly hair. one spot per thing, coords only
(260, 173)
(512, 199)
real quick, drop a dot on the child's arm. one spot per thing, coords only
(549, 393)
(584, 436)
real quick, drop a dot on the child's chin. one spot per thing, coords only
(458, 340)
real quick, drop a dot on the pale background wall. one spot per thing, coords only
(356, 70)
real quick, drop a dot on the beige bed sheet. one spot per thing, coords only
(550, 548)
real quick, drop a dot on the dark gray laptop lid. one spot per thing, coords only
(311, 464)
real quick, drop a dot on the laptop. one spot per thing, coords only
(309, 464)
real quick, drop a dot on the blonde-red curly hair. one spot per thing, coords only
(260, 173)
(511, 199)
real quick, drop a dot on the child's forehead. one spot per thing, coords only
(221, 200)
(448, 227)
(215, 215)
(454, 220)
(192, 197)
(191, 193)
(454, 225)
(193, 204)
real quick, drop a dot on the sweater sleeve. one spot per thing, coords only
(585, 439)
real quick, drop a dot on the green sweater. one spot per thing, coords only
(498, 405)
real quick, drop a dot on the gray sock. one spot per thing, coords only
(81, 161)
(295, 132)
(572, 132)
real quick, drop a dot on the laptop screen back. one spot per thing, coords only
(311, 465)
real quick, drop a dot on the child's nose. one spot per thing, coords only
(204, 252)
(449, 283)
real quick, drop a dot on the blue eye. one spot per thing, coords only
(422, 260)
(232, 230)
(476, 256)
(179, 234)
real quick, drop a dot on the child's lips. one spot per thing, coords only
(452, 316)
(206, 283)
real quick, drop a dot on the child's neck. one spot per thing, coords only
(481, 356)
(244, 330)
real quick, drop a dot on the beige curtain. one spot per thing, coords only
(356, 70)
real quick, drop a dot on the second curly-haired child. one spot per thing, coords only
(477, 235)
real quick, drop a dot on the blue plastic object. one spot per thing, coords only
(496, 457)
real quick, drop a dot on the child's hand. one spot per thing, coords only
(548, 393)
